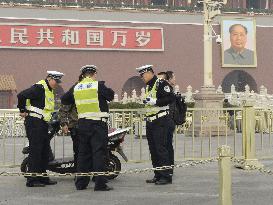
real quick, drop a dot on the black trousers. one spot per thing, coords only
(75, 139)
(170, 143)
(157, 136)
(92, 151)
(39, 146)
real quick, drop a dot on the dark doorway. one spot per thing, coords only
(255, 4)
(132, 83)
(240, 79)
(159, 2)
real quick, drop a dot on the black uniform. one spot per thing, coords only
(157, 130)
(37, 131)
(170, 136)
(93, 138)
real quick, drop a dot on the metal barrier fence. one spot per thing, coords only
(198, 138)
(12, 134)
(204, 130)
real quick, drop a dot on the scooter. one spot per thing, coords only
(66, 165)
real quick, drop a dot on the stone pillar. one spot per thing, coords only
(206, 121)
(224, 164)
(249, 148)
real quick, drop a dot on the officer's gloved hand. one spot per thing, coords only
(150, 101)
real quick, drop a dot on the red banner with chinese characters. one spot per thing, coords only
(81, 37)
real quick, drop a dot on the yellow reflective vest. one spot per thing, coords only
(49, 103)
(87, 100)
(153, 109)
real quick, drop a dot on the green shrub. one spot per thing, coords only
(134, 105)
(131, 105)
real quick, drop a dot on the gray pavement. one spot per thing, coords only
(191, 186)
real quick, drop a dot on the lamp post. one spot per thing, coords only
(211, 9)
(207, 97)
(208, 82)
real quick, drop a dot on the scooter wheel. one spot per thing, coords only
(113, 165)
(24, 165)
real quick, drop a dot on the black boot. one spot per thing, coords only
(151, 181)
(103, 188)
(34, 184)
(48, 181)
(51, 156)
(164, 181)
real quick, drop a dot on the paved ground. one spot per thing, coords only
(191, 186)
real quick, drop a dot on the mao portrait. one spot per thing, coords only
(239, 43)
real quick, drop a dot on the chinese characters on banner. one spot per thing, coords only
(81, 37)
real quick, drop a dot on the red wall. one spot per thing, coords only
(183, 54)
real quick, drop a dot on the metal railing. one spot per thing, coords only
(12, 138)
(198, 138)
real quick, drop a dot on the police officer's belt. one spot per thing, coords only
(93, 115)
(35, 112)
(159, 115)
(32, 114)
(97, 119)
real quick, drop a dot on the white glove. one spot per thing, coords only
(150, 101)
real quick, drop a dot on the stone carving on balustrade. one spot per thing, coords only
(219, 89)
(134, 96)
(176, 89)
(259, 100)
(115, 98)
(125, 98)
(189, 95)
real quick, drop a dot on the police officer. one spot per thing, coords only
(170, 78)
(69, 122)
(158, 97)
(36, 104)
(161, 75)
(91, 97)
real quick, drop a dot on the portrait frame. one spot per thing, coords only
(248, 57)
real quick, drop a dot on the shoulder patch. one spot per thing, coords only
(161, 80)
(167, 89)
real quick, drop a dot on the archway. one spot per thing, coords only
(240, 79)
(132, 83)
